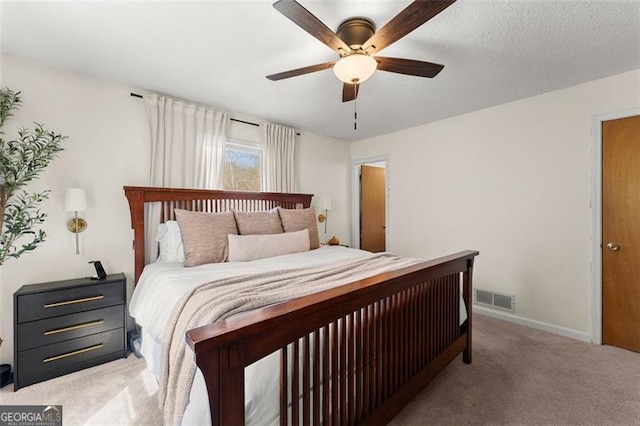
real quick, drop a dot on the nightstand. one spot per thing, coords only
(65, 326)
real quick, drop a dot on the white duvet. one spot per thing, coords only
(161, 285)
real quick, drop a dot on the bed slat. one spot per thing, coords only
(325, 375)
(306, 382)
(358, 391)
(295, 383)
(316, 377)
(284, 388)
(334, 378)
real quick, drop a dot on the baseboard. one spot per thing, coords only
(539, 325)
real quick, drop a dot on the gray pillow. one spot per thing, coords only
(258, 223)
(205, 236)
(298, 219)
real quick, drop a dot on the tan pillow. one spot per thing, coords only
(299, 219)
(204, 236)
(243, 248)
(258, 223)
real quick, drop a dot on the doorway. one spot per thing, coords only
(612, 206)
(370, 213)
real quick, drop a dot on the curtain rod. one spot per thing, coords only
(135, 95)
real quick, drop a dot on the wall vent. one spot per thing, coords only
(505, 302)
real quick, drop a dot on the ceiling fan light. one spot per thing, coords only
(355, 68)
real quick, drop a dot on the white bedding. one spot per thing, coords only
(163, 284)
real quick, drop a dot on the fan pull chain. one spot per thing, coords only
(355, 106)
(355, 116)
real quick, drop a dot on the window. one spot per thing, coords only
(242, 165)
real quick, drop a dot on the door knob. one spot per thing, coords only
(613, 246)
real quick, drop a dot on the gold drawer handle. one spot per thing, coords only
(73, 327)
(78, 352)
(71, 302)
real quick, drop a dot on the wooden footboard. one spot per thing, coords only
(367, 347)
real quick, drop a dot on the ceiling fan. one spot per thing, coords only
(356, 41)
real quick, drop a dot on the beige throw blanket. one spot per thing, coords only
(223, 298)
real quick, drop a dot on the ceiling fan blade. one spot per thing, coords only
(414, 15)
(300, 71)
(350, 92)
(308, 22)
(409, 66)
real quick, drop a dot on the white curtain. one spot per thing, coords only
(278, 159)
(187, 151)
(187, 143)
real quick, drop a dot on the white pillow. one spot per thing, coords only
(243, 248)
(170, 239)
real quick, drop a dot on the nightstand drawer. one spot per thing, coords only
(48, 359)
(48, 304)
(58, 329)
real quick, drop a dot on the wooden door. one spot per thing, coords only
(621, 233)
(373, 209)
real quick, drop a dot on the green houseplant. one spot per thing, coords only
(21, 161)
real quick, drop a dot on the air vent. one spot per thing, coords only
(505, 302)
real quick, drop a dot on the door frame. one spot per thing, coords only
(596, 217)
(355, 204)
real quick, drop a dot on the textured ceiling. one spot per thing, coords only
(219, 53)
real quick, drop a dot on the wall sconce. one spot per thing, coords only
(322, 217)
(75, 200)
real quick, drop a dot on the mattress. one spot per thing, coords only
(161, 285)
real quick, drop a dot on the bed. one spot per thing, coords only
(355, 353)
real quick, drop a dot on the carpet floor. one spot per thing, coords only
(518, 376)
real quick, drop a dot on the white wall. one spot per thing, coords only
(108, 147)
(513, 182)
(323, 169)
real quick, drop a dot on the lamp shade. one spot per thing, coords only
(326, 204)
(75, 200)
(355, 68)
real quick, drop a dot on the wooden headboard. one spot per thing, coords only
(202, 200)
